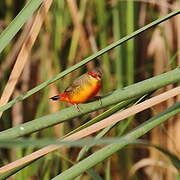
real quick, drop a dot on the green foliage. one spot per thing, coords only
(57, 54)
(117, 96)
(107, 151)
(18, 22)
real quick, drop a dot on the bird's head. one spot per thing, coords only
(96, 74)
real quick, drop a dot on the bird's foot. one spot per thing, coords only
(78, 108)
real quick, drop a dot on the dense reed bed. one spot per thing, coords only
(134, 130)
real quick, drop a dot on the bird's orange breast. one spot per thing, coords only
(85, 91)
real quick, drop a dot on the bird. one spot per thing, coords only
(82, 89)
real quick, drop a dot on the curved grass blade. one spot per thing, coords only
(18, 22)
(129, 92)
(90, 58)
(104, 153)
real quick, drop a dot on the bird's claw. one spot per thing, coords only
(78, 108)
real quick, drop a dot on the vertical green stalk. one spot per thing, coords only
(102, 24)
(57, 31)
(118, 50)
(130, 44)
(75, 37)
(127, 154)
(19, 154)
(108, 170)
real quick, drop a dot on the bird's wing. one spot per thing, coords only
(76, 83)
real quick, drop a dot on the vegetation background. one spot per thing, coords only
(71, 31)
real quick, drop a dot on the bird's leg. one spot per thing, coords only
(98, 98)
(78, 108)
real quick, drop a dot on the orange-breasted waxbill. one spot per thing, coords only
(82, 89)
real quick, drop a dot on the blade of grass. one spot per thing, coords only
(13, 171)
(131, 91)
(99, 53)
(130, 44)
(75, 15)
(130, 68)
(108, 170)
(118, 51)
(174, 159)
(12, 55)
(96, 127)
(24, 52)
(18, 22)
(104, 115)
(102, 17)
(104, 153)
(40, 142)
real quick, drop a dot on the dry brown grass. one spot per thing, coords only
(24, 52)
(96, 127)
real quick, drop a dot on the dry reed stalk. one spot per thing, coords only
(161, 46)
(142, 15)
(53, 90)
(17, 118)
(84, 44)
(24, 52)
(17, 109)
(156, 48)
(54, 107)
(90, 29)
(96, 127)
(153, 3)
(11, 57)
(177, 123)
(147, 162)
(3, 25)
(159, 54)
(171, 128)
